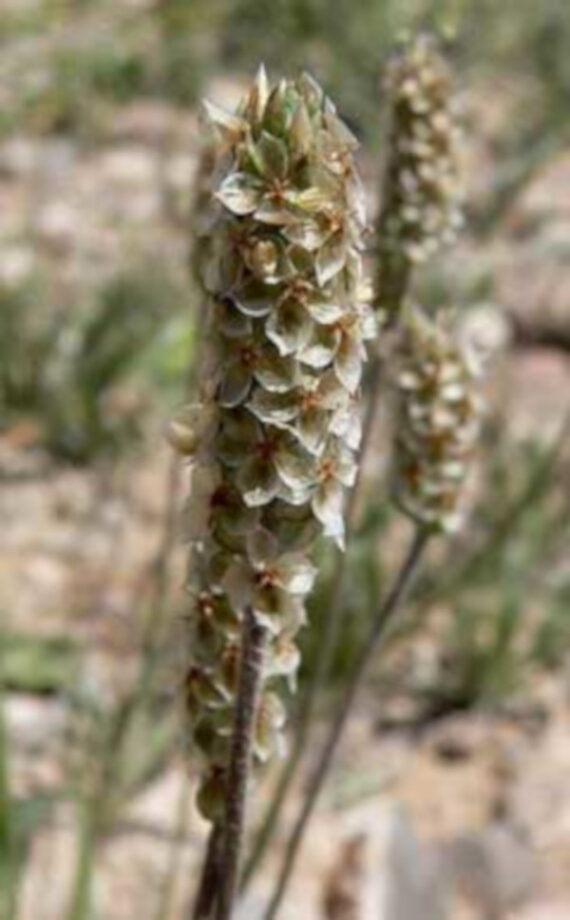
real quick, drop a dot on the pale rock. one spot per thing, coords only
(158, 805)
(16, 264)
(129, 166)
(57, 222)
(414, 887)
(34, 722)
(494, 870)
(19, 156)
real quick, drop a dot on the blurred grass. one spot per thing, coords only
(92, 54)
(505, 602)
(503, 596)
(38, 665)
(9, 862)
(88, 376)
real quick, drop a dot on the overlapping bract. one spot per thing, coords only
(421, 208)
(437, 424)
(273, 443)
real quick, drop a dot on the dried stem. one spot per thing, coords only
(327, 647)
(383, 618)
(253, 642)
(208, 887)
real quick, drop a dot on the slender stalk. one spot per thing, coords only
(392, 270)
(253, 642)
(393, 279)
(384, 616)
(8, 866)
(80, 902)
(208, 887)
(328, 642)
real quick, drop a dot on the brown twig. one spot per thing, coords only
(382, 620)
(209, 879)
(253, 644)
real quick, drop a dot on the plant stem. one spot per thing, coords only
(383, 618)
(208, 887)
(392, 283)
(247, 704)
(8, 864)
(80, 903)
(327, 647)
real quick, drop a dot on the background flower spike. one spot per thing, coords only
(437, 424)
(422, 190)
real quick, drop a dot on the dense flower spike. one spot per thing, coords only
(437, 424)
(421, 207)
(273, 441)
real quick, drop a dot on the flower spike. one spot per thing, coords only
(273, 449)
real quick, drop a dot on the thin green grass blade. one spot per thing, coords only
(80, 905)
(8, 867)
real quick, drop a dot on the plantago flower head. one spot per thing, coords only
(422, 197)
(273, 446)
(437, 424)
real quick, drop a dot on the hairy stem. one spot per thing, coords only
(381, 621)
(208, 887)
(327, 647)
(253, 643)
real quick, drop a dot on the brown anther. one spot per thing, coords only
(248, 355)
(267, 448)
(309, 400)
(327, 469)
(344, 325)
(448, 500)
(277, 189)
(238, 237)
(437, 446)
(335, 221)
(230, 664)
(413, 475)
(430, 384)
(266, 578)
(192, 676)
(205, 604)
(299, 290)
(221, 497)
